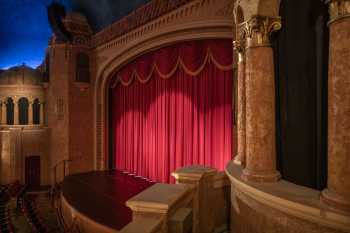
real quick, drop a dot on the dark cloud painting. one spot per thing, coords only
(25, 31)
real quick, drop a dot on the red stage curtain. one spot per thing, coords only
(172, 108)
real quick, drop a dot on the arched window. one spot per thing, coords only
(23, 105)
(36, 112)
(83, 68)
(10, 111)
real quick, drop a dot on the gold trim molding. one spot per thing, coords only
(338, 9)
(256, 32)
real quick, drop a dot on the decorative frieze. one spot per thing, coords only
(338, 9)
(124, 31)
(140, 16)
(257, 31)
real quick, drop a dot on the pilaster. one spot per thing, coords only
(15, 110)
(30, 111)
(3, 112)
(42, 115)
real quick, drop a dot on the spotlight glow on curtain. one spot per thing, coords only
(172, 108)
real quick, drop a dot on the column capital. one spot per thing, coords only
(239, 47)
(338, 9)
(31, 100)
(15, 99)
(3, 100)
(256, 32)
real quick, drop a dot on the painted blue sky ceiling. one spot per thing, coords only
(25, 31)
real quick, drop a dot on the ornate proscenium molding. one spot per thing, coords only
(338, 9)
(142, 15)
(256, 32)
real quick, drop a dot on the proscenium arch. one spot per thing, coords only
(144, 44)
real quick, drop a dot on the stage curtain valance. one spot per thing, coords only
(191, 57)
(178, 113)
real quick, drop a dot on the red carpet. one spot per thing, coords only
(101, 196)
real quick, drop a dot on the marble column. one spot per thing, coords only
(42, 120)
(16, 111)
(337, 194)
(30, 112)
(241, 114)
(260, 99)
(3, 112)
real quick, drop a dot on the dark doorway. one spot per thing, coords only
(32, 171)
(301, 58)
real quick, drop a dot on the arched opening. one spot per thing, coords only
(121, 57)
(301, 61)
(10, 111)
(83, 68)
(151, 110)
(23, 105)
(36, 112)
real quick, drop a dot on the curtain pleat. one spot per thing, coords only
(185, 119)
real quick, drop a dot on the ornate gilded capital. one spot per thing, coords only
(239, 47)
(15, 99)
(338, 9)
(257, 31)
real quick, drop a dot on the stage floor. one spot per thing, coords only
(101, 196)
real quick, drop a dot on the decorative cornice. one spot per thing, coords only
(338, 9)
(194, 10)
(257, 31)
(137, 18)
